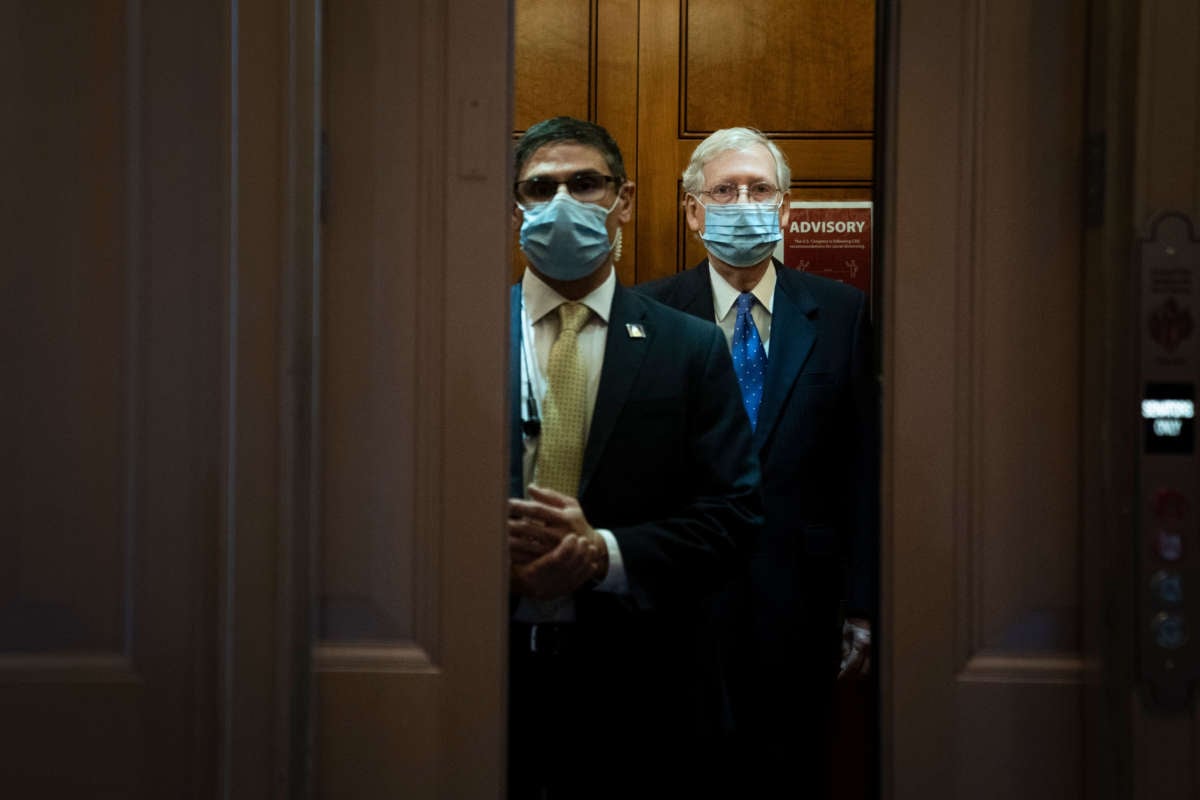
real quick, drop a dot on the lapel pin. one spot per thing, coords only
(635, 331)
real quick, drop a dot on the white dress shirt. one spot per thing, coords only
(725, 297)
(540, 329)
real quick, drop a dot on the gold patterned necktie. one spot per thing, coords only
(560, 452)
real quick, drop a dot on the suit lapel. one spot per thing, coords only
(623, 357)
(793, 335)
(695, 293)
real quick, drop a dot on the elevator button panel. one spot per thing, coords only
(1168, 552)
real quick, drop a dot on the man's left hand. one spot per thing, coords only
(554, 549)
(856, 649)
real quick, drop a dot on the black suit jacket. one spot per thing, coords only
(817, 441)
(669, 469)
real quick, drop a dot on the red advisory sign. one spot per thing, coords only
(830, 238)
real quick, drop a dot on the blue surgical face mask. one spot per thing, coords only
(566, 239)
(741, 234)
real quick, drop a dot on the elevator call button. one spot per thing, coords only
(1167, 588)
(1169, 631)
(1168, 545)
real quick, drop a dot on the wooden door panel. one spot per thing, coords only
(140, 633)
(81, 732)
(62, 339)
(782, 67)
(369, 356)
(554, 68)
(112, 347)
(987, 668)
(412, 583)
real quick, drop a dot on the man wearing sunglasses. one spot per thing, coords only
(802, 352)
(634, 491)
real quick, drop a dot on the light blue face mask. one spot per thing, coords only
(741, 234)
(566, 239)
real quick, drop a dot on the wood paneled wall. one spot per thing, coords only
(661, 75)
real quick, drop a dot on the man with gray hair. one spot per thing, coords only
(801, 349)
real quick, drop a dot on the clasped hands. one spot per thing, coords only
(553, 549)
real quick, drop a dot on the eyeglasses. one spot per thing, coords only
(586, 187)
(761, 192)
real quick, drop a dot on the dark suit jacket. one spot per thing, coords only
(817, 441)
(669, 469)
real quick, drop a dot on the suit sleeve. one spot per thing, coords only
(693, 548)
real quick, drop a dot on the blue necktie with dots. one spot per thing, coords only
(749, 357)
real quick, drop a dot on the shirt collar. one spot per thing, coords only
(724, 295)
(540, 299)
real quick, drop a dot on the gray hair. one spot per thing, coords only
(732, 139)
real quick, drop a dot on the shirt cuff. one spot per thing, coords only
(614, 580)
